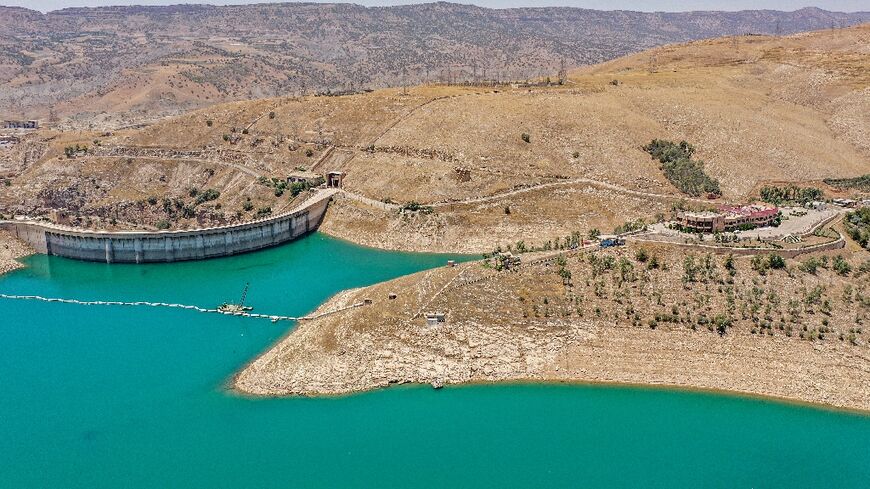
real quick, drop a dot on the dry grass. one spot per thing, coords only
(527, 325)
(757, 108)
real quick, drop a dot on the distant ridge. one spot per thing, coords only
(148, 61)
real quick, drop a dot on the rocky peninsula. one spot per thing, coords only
(627, 316)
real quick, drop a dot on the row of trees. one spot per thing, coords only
(790, 194)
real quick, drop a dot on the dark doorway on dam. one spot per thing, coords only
(334, 179)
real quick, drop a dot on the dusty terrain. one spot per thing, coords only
(790, 334)
(10, 250)
(108, 67)
(483, 167)
(758, 109)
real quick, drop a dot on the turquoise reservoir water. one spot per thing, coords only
(102, 397)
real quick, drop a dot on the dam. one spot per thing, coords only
(172, 246)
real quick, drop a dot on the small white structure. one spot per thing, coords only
(434, 318)
(816, 205)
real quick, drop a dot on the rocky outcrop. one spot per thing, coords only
(10, 250)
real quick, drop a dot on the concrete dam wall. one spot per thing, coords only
(170, 246)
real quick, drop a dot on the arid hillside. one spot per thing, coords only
(499, 164)
(639, 314)
(112, 66)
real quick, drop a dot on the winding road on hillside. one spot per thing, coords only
(569, 182)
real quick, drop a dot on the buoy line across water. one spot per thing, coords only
(151, 304)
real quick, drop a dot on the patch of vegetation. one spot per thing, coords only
(526, 137)
(681, 170)
(790, 194)
(414, 206)
(841, 266)
(858, 183)
(813, 264)
(297, 188)
(858, 226)
(73, 151)
(207, 196)
(630, 226)
(763, 263)
(263, 212)
(163, 224)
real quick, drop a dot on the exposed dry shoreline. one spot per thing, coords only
(385, 344)
(10, 250)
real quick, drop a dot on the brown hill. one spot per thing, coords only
(112, 66)
(757, 108)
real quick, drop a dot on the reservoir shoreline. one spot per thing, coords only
(385, 344)
(11, 250)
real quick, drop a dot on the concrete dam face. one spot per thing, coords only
(170, 246)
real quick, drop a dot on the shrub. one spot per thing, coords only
(841, 266)
(811, 265)
(247, 206)
(163, 224)
(722, 323)
(207, 196)
(309, 152)
(641, 255)
(730, 265)
(209, 123)
(776, 262)
(263, 212)
(414, 206)
(526, 137)
(272, 115)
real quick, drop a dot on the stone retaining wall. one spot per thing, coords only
(785, 253)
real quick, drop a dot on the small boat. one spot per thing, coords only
(229, 307)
